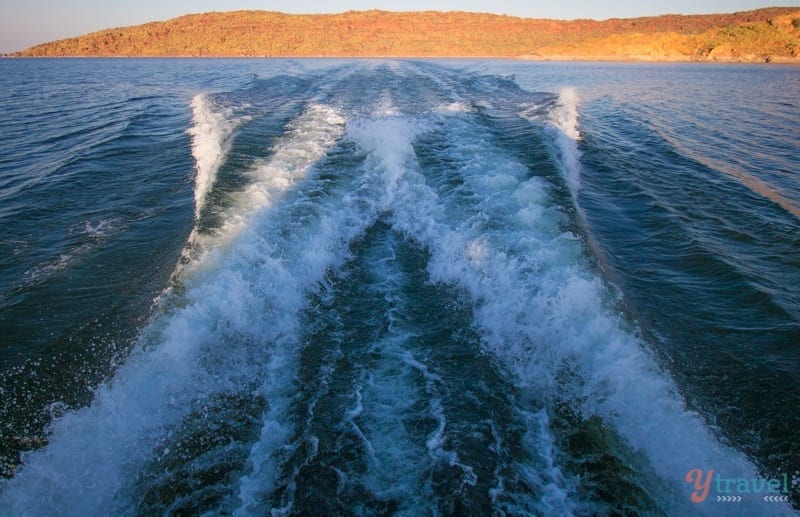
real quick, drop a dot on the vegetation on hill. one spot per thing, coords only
(771, 34)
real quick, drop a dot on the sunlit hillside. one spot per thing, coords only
(771, 34)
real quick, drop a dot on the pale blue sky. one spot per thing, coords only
(27, 22)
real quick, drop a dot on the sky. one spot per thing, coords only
(24, 23)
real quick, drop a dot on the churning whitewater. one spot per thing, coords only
(387, 305)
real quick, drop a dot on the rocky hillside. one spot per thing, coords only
(771, 34)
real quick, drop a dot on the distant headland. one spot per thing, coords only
(763, 35)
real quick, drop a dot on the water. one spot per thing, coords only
(398, 287)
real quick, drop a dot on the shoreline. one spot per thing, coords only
(772, 60)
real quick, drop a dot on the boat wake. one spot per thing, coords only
(384, 307)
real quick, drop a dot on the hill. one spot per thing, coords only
(771, 34)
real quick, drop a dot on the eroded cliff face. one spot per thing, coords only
(771, 34)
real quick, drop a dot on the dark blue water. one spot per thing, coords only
(398, 287)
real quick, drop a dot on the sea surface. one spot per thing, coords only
(396, 287)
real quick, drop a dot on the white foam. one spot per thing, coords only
(454, 107)
(387, 143)
(95, 453)
(400, 464)
(416, 211)
(385, 106)
(211, 132)
(103, 228)
(234, 325)
(542, 313)
(565, 116)
(397, 466)
(306, 140)
(565, 122)
(358, 207)
(393, 460)
(562, 125)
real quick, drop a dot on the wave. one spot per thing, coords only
(566, 133)
(490, 230)
(212, 130)
(541, 313)
(306, 140)
(418, 214)
(231, 331)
